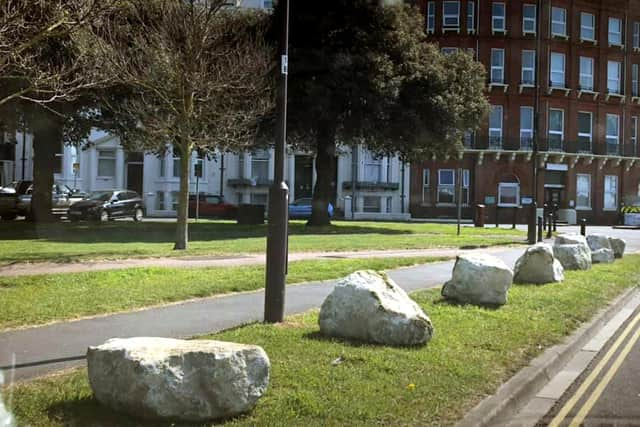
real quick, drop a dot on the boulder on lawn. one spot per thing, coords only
(170, 379)
(479, 279)
(598, 241)
(538, 265)
(370, 307)
(573, 257)
(602, 256)
(618, 246)
(571, 239)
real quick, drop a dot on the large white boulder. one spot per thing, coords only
(571, 239)
(573, 257)
(162, 378)
(479, 279)
(6, 419)
(602, 256)
(618, 246)
(538, 265)
(370, 307)
(598, 241)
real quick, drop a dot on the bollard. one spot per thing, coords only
(540, 226)
(583, 227)
(497, 219)
(549, 225)
(555, 221)
(515, 213)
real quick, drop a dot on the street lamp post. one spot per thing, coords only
(277, 244)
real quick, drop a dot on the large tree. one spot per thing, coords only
(363, 73)
(198, 76)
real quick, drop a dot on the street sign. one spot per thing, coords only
(198, 170)
(76, 168)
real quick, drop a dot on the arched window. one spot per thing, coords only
(509, 191)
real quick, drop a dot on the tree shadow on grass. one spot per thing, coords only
(454, 303)
(88, 412)
(318, 336)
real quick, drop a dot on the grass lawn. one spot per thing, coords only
(65, 242)
(32, 300)
(473, 351)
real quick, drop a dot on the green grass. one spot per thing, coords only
(474, 350)
(34, 300)
(65, 242)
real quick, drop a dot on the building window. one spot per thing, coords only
(107, 163)
(431, 16)
(498, 17)
(160, 201)
(528, 18)
(451, 14)
(508, 194)
(259, 199)
(634, 133)
(587, 26)
(613, 133)
(446, 186)
(260, 166)
(471, 17)
(556, 129)
(495, 127)
(469, 138)
(636, 35)
(175, 200)
(198, 166)
(371, 204)
(466, 181)
(634, 80)
(615, 31)
(389, 204)
(59, 160)
(557, 69)
(585, 133)
(610, 192)
(426, 189)
(241, 160)
(583, 191)
(497, 66)
(528, 67)
(558, 21)
(526, 128)
(586, 73)
(614, 71)
(162, 166)
(372, 167)
(176, 166)
(448, 50)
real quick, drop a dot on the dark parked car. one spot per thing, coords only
(9, 197)
(301, 209)
(211, 206)
(107, 205)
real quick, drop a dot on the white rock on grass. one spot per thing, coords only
(618, 246)
(573, 257)
(598, 241)
(538, 265)
(602, 256)
(369, 307)
(479, 279)
(162, 378)
(570, 239)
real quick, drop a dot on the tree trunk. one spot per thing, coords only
(325, 163)
(47, 140)
(182, 226)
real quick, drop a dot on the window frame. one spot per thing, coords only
(526, 19)
(502, 185)
(635, 80)
(112, 158)
(431, 17)
(426, 186)
(265, 159)
(589, 200)
(371, 160)
(619, 32)
(495, 17)
(563, 22)
(497, 67)
(581, 73)
(608, 179)
(471, 16)
(636, 35)
(446, 16)
(494, 129)
(377, 207)
(531, 69)
(613, 137)
(528, 131)
(584, 134)
(618, 80)
(583, 26)
(556, 132)
(450, 187)
(552, 72)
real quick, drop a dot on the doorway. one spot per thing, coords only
(135, 172)
(303, 177)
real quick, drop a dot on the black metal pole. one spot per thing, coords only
(459, 200)
(583, 227)
(533, 211)
(540, 227)
(221, 175)
(277, 244)
(549, 225)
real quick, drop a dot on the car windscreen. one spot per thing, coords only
(101, 196)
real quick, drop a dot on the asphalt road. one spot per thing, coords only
(608, 392)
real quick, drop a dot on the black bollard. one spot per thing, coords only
(583, 227)
(555, 222)
(540, 226)
(549, 225)
(515, 213)
(497, 219)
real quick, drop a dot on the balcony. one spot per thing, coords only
(248, 182)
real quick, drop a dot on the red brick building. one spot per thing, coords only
(573, 65)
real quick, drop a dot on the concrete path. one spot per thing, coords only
(23, 269)
(42, 350)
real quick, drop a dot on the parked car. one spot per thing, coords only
(108, 205)
(9, 196)
(301, 209)
(211, 206)
(62, 197)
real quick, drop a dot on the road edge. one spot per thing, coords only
(514, 394)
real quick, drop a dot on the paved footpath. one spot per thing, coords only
(42, 350)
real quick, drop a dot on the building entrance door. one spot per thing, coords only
(553, 198)
(135, 172)
(303, 177)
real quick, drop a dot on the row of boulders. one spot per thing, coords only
(202, 380)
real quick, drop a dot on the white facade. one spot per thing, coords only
(244, 178)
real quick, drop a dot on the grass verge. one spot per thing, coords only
(473, 352)
(65, 242)
(32, 300)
